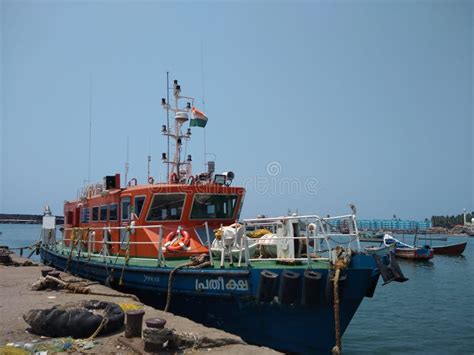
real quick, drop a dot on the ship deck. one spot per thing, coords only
(171, 263)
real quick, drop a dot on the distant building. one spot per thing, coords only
(388, 224)
(393, 224)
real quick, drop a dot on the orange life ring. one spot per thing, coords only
(173, 178)
(174, 245)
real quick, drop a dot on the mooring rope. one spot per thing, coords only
(102, 324)
(197, 261)
(170, 283)
(127, 255)
(73, 242)
(84, 231)
(336, 350)
(342, 261)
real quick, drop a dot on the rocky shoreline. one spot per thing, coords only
(14, 218)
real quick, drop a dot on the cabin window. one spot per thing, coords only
(85, 215)
(69, 217)
(139, 202)
(125, 209)
(207, 206)
(103, 213)
(113, 212)
(95, 214)
(166, 207)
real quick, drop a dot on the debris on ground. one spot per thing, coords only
(56, 345)
(74, 286)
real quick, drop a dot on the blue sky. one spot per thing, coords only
(364, 102)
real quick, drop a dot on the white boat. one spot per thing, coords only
(380, 250)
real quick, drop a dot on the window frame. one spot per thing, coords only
(85, 214)
(92, 215)
(162, 194)
(135, 205)
(216, 218)
(122, 200)
(117, 212)
(106, 213)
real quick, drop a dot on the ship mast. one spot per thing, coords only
(179, 170)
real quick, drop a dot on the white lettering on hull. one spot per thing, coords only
(219, 285)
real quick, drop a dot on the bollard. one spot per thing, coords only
(152, 335)
(133, 325)
(156, 323)
(54, 273)
(45, 271)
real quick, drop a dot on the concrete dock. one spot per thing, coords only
(17, 298)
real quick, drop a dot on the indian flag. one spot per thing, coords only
(199, 118)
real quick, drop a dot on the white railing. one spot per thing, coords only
(310, 228)
(130, 230)
(316, 229)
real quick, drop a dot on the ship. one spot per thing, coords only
(283, 282)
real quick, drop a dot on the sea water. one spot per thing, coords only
(432, 313)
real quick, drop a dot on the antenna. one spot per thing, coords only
(181, 115)
(126, 165)
(149, 164)
(203, 102)
(149, 158)
(168, 122)
(90, 128)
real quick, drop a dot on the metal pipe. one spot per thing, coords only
(307, 244)
(160, 246)
(209, 243)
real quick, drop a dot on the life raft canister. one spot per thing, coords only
(177, 240)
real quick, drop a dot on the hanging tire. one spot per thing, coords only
(289, 287)
(266, 286)
(311, 294)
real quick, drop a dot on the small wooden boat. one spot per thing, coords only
(380, 250)
(406, 251)
(450, 249)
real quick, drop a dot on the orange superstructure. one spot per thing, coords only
(185, 209)
(173, 206)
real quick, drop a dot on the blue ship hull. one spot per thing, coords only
(227, 299)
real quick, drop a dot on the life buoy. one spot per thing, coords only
(151, 180)
(174, 243)
(173, 178)
(133, 182)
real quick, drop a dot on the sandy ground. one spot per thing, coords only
(16, 298)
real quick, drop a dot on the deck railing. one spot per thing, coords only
(313, 228)
(309, 228)
(130, 230)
